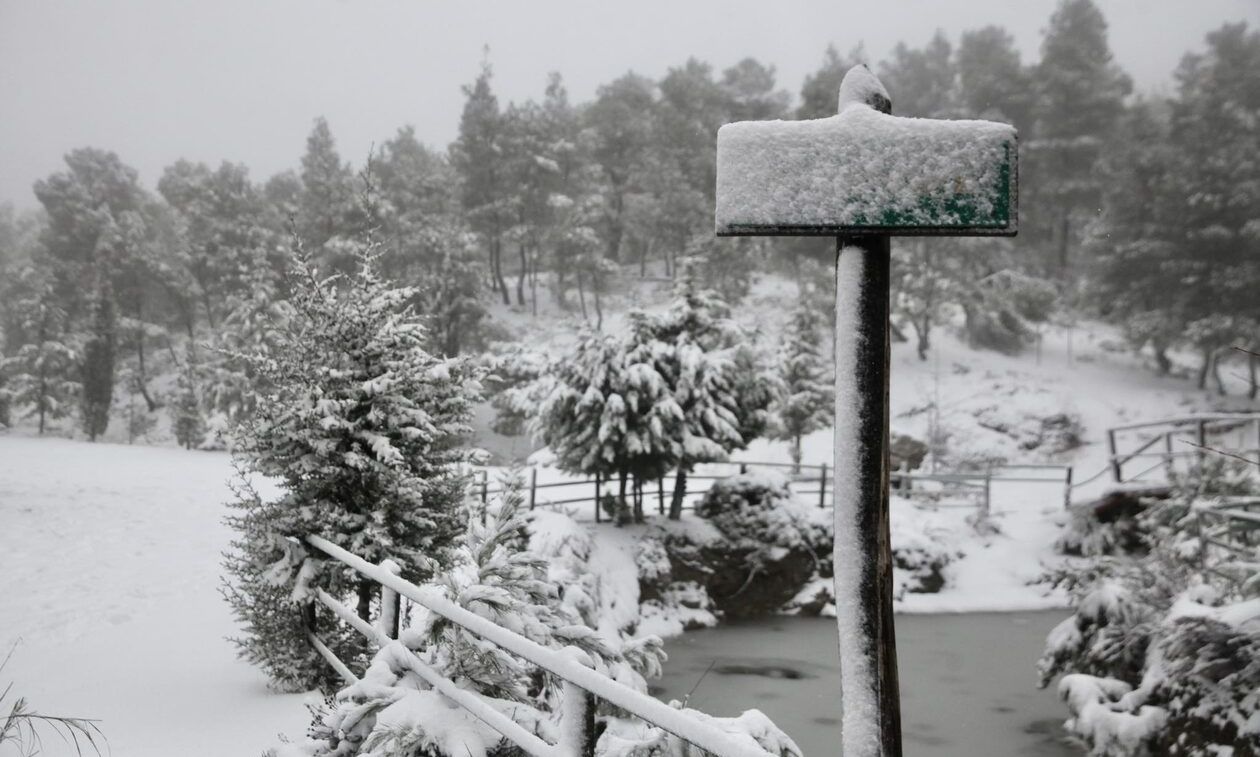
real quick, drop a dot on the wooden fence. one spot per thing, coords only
(1229, 542)
(813, 483)
(582, 685)
(1183, 439)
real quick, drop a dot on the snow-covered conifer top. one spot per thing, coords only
(861, 168)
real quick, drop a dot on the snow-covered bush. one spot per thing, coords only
(757, 511)
(921, 550)
(1130, 521)
(361, 428)
(495, 575)
(1155, 660)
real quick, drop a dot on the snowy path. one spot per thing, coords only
(108, 575)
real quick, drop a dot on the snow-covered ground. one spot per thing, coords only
(109, 554)
(109, 575)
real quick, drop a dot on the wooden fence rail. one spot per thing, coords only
(1202, 432)
(582, 684)
(1231, 529)
(817, 480)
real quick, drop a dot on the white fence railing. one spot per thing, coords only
(582, 684)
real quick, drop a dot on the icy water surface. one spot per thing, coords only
(968, 684)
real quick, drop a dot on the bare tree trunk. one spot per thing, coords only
(1216, 372)
(680, 493)
(1163, 365)
(496, 248)
(533, 283)
(599, 312)
(1205, 368)
(796, 454)
(922, 326)
(582, 297)
(141, 377)
(520, 280)
(621, 496)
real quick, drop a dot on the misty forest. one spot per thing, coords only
(282, 458)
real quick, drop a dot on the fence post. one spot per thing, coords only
(1168, 455)
(660, 494)
(391, 603)
(988, 481)
(743, 468)
(577, 714)
(1111, 451)
(822, 486)
(597, 482)
(533, 486)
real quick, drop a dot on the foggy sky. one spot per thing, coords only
(157, 80)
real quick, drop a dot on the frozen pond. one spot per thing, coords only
(968, 684)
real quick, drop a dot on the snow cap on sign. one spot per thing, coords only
(862, 87)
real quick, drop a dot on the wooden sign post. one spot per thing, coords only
(863, 176)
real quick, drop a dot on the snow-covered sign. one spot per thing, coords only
(862, 176)
(864, 171)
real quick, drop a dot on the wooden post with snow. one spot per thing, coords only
(863, 176)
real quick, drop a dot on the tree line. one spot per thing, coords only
(1138, 209)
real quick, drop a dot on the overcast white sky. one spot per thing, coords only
(157, 80)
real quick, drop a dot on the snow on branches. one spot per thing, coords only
(676, 389)
(498, 573)
(361, 428)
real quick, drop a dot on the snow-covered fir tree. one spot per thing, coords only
(40, 376)
(230, 383)
(716, 378)
(97, 369)
(495, 575)
(361, 429)
(187, 423)
(675, 389)
(606, 410)
(806, 402)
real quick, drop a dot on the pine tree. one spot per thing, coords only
(992, 81)
(97, 368)
(606, 410)
(721, 390)
(806, 403)
(1080, 97)
(361, 428)
(923, 80)
(187, 423)
(475, 155)
(40, 374)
